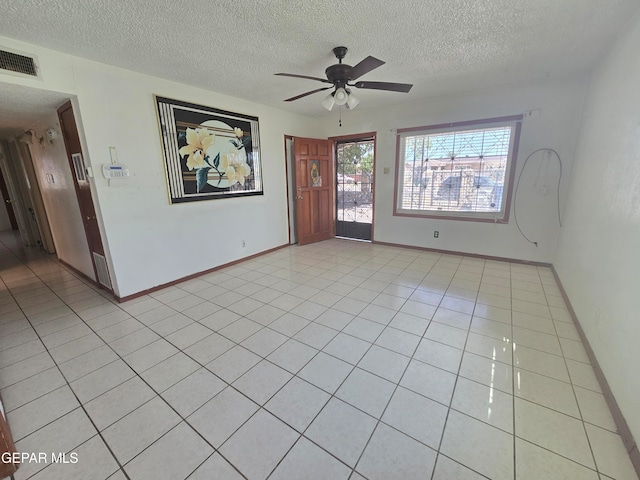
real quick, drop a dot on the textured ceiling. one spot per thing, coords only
(235, 47)
(21, 107)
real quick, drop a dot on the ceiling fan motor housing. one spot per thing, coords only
(337, 74)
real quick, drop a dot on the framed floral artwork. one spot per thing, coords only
(208, 153)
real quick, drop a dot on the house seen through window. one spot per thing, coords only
(457, 171)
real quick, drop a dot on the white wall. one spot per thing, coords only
(59, 197)
(151, 242)
(598, 257)
(560, 105)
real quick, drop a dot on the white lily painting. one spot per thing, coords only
(218, 160)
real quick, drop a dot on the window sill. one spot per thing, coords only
(451, 216)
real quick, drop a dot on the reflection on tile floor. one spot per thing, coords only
(337, 360)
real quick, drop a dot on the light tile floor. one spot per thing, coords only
(337, 360)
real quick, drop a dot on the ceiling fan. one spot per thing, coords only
(341, 76)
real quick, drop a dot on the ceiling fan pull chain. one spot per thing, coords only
(340, 122)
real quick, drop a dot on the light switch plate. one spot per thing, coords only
(114, 155)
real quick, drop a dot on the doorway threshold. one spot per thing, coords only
(354, 239)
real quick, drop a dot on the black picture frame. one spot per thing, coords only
(208, 153)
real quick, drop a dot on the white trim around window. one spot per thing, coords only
(457, 171)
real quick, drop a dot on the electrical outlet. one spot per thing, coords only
(436, 234)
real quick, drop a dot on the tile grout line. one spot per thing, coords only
(353, 469)
(333, 395)
(266, 326)
(455, 384)
(121, 467)
(198, 362)
(411, 358)
(99, 433)
(228, 384)
(194, 321)
(575, 397)
(157, 395)
(595, 470)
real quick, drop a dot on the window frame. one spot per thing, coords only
(514, 121)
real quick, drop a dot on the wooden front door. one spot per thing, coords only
(83, 192)
(314, 184)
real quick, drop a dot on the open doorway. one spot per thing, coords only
(355, 161)
(349, 202)
(32, 132)
(17, 192)
(23, 187)
(291, 188)
(8, 219)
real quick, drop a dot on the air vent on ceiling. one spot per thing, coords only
(13, 62)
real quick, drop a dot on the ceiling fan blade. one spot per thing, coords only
(365, 66)
(394, 87)
(308, 93)
(303, 76)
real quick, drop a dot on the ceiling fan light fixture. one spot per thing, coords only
(341, 96)
(328, 102)
(352, 101)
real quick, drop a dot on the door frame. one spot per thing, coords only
(290, 181)
(355, 137)
(292, 193)
(289, 172)
(17, 181)
(8, 203)
(87, 209)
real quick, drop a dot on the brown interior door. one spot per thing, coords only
(314, 184)
(83, 192)
(7, 203)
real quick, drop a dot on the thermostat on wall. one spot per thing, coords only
(115, 171)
